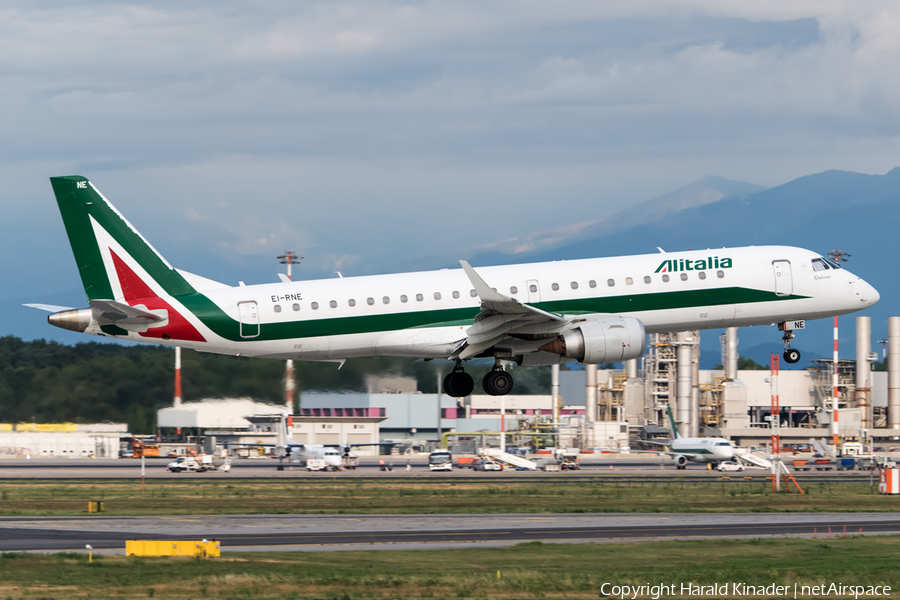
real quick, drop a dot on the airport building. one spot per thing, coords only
(61, 440)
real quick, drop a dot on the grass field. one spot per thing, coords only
(37, 498)
(531, 570)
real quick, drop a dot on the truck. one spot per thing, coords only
(568, 459)
(193, 465)
(440, 460)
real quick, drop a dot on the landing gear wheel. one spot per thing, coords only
(497, 383)
(458, 384)
(791, 356)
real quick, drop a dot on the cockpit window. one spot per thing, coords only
(832, 264)
(722, 444)
(819, 264)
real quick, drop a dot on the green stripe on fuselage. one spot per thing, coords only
(226, 327)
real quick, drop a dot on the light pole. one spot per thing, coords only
(289, 258)
(837, 256)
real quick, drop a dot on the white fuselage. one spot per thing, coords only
(703, 450)
(426, 314)
(331, 456)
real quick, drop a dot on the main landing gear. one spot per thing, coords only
(791, 355)
(497, 382)
(458, 383)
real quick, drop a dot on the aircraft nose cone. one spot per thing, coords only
(869, 295)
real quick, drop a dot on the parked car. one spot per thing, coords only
(729, 465)
(487, 465)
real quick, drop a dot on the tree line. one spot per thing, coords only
(49, 382)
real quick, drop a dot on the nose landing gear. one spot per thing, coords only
(791, 355)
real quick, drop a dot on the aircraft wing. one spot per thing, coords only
(687, 455)
(499, 315)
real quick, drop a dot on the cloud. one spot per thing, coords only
(362, 134)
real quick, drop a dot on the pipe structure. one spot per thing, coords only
(863, 369)
(590, 402)
(631, 369)
(289, 385)
(731, 353)
(695, 389)
(684, 382)
(894, 372)
(554, 391)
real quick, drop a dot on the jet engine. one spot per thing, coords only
(681, 461)
(601, 341)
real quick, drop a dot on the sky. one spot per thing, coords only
(361, 134)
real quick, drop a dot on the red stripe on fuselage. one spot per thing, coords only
(139, 293)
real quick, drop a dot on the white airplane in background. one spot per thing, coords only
(700, 449)
(591, 311)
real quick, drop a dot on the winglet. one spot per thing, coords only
(485, 292)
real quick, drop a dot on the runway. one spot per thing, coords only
(612, 466)
(408, 532)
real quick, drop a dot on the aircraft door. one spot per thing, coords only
(784, 283)
(249, 315)
(534, 291)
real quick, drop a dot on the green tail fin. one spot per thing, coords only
(108, 250)
(672, 422)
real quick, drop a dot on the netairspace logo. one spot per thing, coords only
(739, 590)
(685, 264)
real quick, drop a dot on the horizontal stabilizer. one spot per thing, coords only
(49, 307)
(109, 312)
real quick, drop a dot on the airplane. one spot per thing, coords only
(592, 311)
(688, 449)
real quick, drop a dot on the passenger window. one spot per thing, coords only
(532, 288)
(370, 301)
(592, 283)
(351, 302)
(574, 285)
(473, 293)
(333, 304)
(701, 275)
(386, 300)
(629, 281)
(403, 298)
(277, 308)
(437, 295)
(684, 276)
(610, 282)
(720, 274)
(455, 295)
(665, 278)
(513, 290)
(419, 297)
(296, 307)
(314, 306)
(555, 287)
(647, 279)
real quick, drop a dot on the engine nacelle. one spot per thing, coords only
(601, 341)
